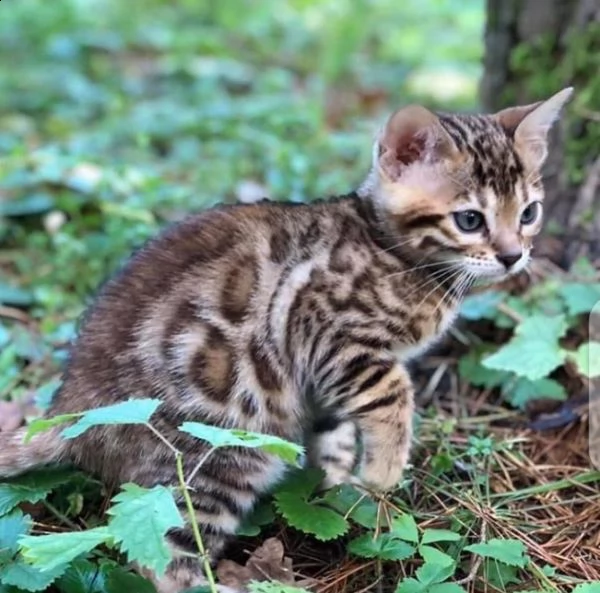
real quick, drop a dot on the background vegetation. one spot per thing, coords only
(117, 118)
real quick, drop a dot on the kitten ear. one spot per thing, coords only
(530, 125)
(411, 134)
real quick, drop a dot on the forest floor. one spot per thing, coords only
(117, 120)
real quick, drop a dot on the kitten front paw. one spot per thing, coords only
(336, 453)
(382, 469)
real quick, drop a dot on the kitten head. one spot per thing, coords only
(464, 189)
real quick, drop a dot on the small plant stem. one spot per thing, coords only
(60, 515)
(194, 524)
(198, 466)
(173, 448)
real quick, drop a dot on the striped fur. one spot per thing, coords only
(295, 320)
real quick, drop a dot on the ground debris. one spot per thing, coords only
(266, 563)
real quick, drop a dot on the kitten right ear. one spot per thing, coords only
(412, 134)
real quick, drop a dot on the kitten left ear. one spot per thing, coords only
(530, 125)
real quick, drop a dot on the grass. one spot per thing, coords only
(118, 118)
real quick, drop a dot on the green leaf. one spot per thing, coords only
(51, 551)
(385, 547)
(500, 575)
(434, 556)
(121, 581)
(446, 588)
(132, 411)
(470, 368)
(28, 577)
(481, 306)
(411, 585)
(593, 587)
(12, 295)
(226, 437)
(310, 517)
(82, 576)
(587, 359)
(405, 527)
(431, 573)
(262, 514)
(34, 204)
(580, 297)
(431, 536)
(509, 551)
(293, 501)
(12, 527)
(523, 391)
(347, 499)
(140, 518)
(31, 487)
(43, 424)
(534, 351)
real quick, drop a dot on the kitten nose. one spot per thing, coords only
(508, 259)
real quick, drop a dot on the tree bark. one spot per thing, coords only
(553, 28)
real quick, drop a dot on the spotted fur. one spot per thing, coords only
(296, 320)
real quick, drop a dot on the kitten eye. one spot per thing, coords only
(531, 213)
(469, 221)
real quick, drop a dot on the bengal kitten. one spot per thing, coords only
(288, 319)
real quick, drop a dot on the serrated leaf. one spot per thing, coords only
(522, 391)
(119, 580)
(301, 483)
(28, 577)
(48, 552)
(434, 556)
(481, 306)
(226, 437)
(534, 351)
(323, 523)
(431, 536)
(431, 573)
(40, 425)
(587, 359)
(140, 518)
(500, 575)
(12, 527)
(410, 585)
(385, 547)
(31, 487)
(471, 368)
(446, 588)
(82, 576)
(405, 527)
(132, 411)
(580, 297)
(347, 499)
(509, 551)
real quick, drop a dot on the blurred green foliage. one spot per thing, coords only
(117, 118)
(124, 115)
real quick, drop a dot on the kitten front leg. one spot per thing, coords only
(377, 397)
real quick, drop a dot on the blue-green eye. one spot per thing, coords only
(469, 221)
(531, 213)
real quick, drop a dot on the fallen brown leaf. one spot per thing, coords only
(266, 563)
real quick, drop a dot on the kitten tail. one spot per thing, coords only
(16, 456)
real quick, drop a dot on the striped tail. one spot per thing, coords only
(17, 457)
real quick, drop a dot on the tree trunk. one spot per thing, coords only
(533, 48)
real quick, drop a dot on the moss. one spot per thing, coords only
(546, 66)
